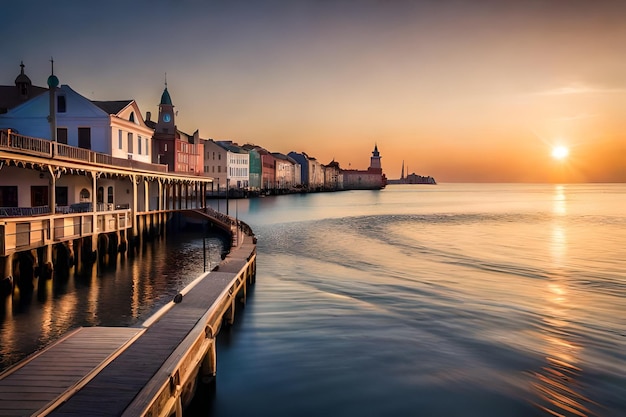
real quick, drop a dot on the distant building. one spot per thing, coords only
(268, 167)
(215, 164)
(285, 171)
(412, 178)
(333, 177)
(311, 171)
(237, 165)
(371, 179)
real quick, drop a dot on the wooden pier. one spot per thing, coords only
(150, 370)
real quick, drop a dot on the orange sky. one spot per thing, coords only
(460, 90)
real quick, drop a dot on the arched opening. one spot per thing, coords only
(85, 196)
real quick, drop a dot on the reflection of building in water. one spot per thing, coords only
(557, 383)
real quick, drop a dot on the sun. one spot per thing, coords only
(560, 152)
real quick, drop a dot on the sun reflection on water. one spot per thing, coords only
(557, 383)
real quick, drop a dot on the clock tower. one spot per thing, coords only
(164, 137)
(165, 123)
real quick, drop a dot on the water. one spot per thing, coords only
(454, 299)
(125, 294)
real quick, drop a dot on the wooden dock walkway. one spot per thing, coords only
(149, 370)
(52, 375)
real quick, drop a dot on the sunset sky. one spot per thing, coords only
(465, 91)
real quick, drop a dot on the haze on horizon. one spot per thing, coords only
(464, 91)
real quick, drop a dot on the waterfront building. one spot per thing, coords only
(238, 165)
(83, 123)
(215, 164)
(285, 172)
(23, 90)
(255, 170)
(371, 179)
(268, 168)
(311, 171)
(333, 177)
(63, 202)
(181, 152)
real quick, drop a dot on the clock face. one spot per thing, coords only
(167, 117)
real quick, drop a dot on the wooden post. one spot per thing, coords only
(208, 368)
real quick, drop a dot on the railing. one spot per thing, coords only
(23, 233)
(73, 208)
(23, 211)
(43, 147)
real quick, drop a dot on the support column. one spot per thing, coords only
(160, 205)
(208, 368)
(7, 270)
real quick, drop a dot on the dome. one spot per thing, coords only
(165, 97)
(53, 81)
(22, 78)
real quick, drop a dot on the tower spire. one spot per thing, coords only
(402, 174)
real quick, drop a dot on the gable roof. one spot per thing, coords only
(10, 96)
(112, 107)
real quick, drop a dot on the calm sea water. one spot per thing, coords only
(446, 300)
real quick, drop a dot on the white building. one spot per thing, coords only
(238, 165)
(114, 128)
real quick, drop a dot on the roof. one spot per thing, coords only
(112, 107)
(10, 96)
(165, 97)
(231, 147)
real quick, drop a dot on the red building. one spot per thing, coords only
(179, 151)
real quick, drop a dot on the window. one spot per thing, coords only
(84, 196)
(146, 143)
(110, 195)
(60, 196)
(8, 196)
(62, 135)
(100, 195)
(61, 107)
(130, 142)
(120, 142)
(84, 137)
(132, 116)
(38, 195)
(139, 145)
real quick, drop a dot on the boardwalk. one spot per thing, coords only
(61, 369)
(134, 371)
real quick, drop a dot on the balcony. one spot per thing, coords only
(29, 230)
(26, 145)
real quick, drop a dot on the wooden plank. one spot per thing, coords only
(44, 377)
